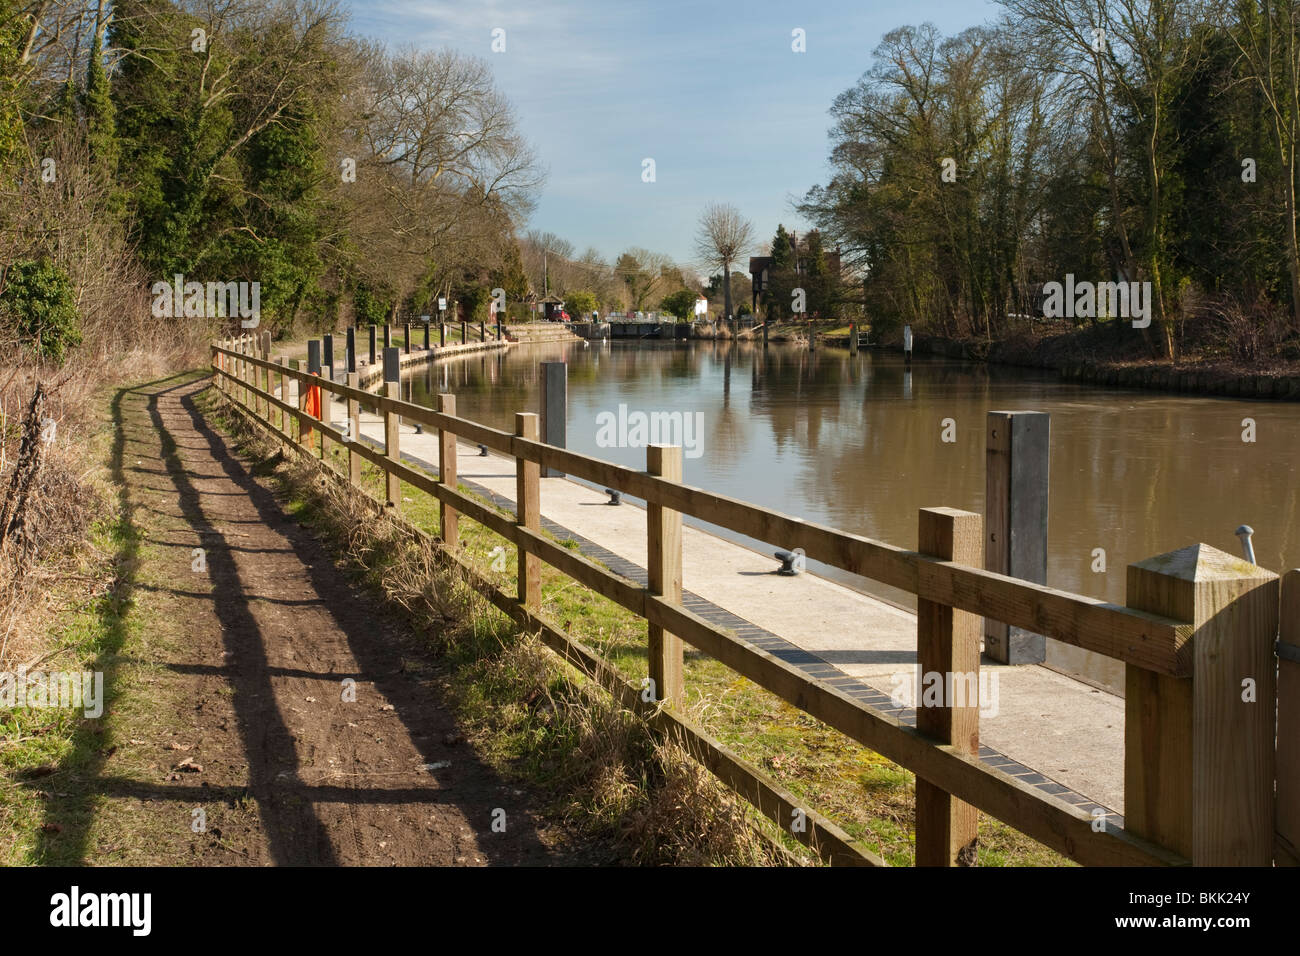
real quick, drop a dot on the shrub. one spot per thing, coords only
(38, 299)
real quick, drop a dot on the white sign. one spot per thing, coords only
(701, 306)
(424, 318)
(442, 304)
(907, 338)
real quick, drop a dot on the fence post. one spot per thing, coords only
(354, 431)
(406, 338)
(265, 374)
(442, 334)
(373, 349)
(554, 410)
(464, 331)
(448, 518)
(281, 361)
(1288, 724)
(426, 333)
(327, 356)
(528, 512)
(392, 423)
(664, 567)
(947, 652)
(1017, 452)
(350, 358)
(1198, 750)
(388, 336)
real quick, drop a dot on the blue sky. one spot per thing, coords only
(711, 91)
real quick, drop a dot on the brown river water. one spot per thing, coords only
(856, 443)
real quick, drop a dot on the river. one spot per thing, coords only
(857, 443)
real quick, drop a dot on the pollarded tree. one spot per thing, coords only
(724, 236)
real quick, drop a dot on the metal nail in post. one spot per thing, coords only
(1244, 533)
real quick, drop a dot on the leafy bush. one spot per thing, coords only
(38, 299)
(680, 303)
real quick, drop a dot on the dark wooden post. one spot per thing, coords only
(1199, 750)
(406, 338)
(554, 408)
(448, 517)
(373, 352)
(327, 358)
(664, 566)
(528, 512)
(388, 336)
(1015, 504)
(442, 334)
(352, 350)
(947, 651)
(426, 334)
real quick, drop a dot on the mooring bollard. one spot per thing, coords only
(442, 334)
(352, 350)
(1015, 535)
(392, 422)
(554, 408)
(388, 336)
(373, 352)
(426, 333)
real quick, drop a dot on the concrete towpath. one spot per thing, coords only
(1055, 732)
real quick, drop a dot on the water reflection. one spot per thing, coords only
(855, 442)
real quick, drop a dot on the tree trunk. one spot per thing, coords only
(726, 289)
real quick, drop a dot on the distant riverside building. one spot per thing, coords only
(760, 265)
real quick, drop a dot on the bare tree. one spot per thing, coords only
(724, 236)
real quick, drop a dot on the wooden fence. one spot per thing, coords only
(1199, 638)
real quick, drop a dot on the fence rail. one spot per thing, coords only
(952, 783)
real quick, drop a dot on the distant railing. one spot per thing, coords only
(1199, 770)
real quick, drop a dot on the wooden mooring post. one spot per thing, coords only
(554, 400)
(1017, 452)
(947, 653)
(1199, 750)
(664, 567)
(373, 350)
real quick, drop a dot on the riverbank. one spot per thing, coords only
(1096, 356)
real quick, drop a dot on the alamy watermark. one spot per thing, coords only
(946, 689)
(639, 429)
(1088, 300)
(191, 300)
(53, 689)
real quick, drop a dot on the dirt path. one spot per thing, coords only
(250, 686)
